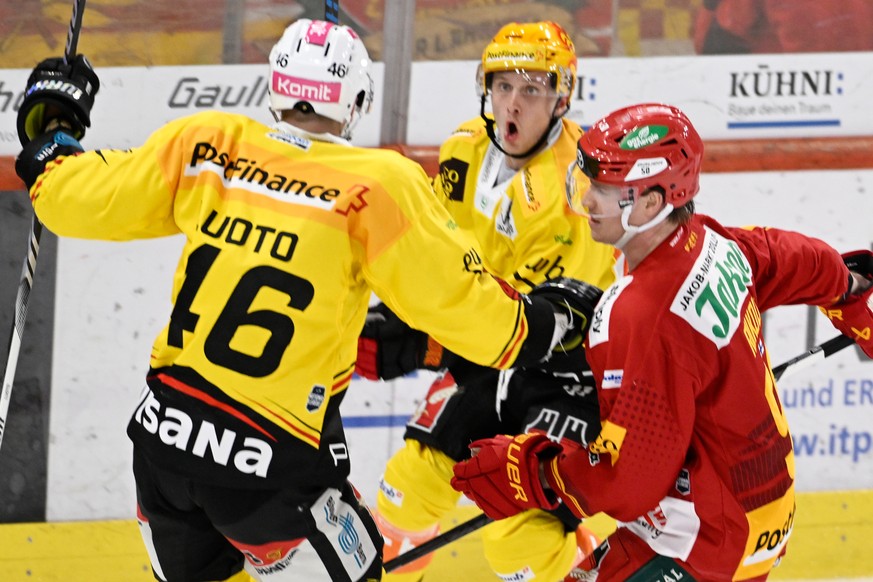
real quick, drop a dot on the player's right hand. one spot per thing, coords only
(57, 90)
(853, 316)
(388, 348)
(37, 153)
(574, 301)
(503, 476)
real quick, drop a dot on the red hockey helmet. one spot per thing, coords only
(637, 148)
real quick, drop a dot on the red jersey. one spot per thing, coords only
(695, 456)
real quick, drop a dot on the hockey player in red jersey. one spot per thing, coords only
(694, 459)
(239, 450)
(501, 178)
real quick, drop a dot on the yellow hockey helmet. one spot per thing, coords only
(531, 46)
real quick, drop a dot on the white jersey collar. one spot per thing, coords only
(285, 127)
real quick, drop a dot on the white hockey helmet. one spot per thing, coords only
(322, 67)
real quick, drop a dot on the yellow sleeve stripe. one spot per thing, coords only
(565, 495)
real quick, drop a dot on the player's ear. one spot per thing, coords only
(653, 199)
(562, 107)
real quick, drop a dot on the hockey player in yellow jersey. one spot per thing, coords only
(501, 177)
(239, 450)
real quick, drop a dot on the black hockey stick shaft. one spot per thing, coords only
(25, 283)
(813, 355)
(793, 365)
(439, 541)
(331, 11)
(73, 32)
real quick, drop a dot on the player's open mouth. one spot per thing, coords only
(511, 133)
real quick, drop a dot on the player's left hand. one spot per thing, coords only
(388, 348)
(503, 476)
(58, 90)
(574, 300)
(853, 316)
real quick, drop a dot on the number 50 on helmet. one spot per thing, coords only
(637, 148)
(322, 67)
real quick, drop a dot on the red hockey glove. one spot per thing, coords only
(388, 348)
(853, 316)
(503, 477)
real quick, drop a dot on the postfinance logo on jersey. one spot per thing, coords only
(250, 174)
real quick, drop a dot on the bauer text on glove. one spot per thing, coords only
(503, 476)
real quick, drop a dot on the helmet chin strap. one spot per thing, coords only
(631, 231)
(492, 135)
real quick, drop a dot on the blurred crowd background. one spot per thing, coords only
(197, 32)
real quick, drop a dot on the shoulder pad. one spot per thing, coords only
(471, 128)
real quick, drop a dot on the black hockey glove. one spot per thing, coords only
(388, 348)
(38, 152)
(860, 262)
(56, 90)
(572, 304)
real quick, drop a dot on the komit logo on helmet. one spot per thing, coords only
(305, 89)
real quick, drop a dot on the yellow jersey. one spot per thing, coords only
(525, 228)
(286, 236)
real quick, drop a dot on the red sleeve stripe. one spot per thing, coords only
(512, 351)
(315, 441)
(203, 397)
(342, 383)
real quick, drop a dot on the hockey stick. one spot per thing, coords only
(804, 360)
(439, 541)
(331, 11)
(813, 355)
(25, 283)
